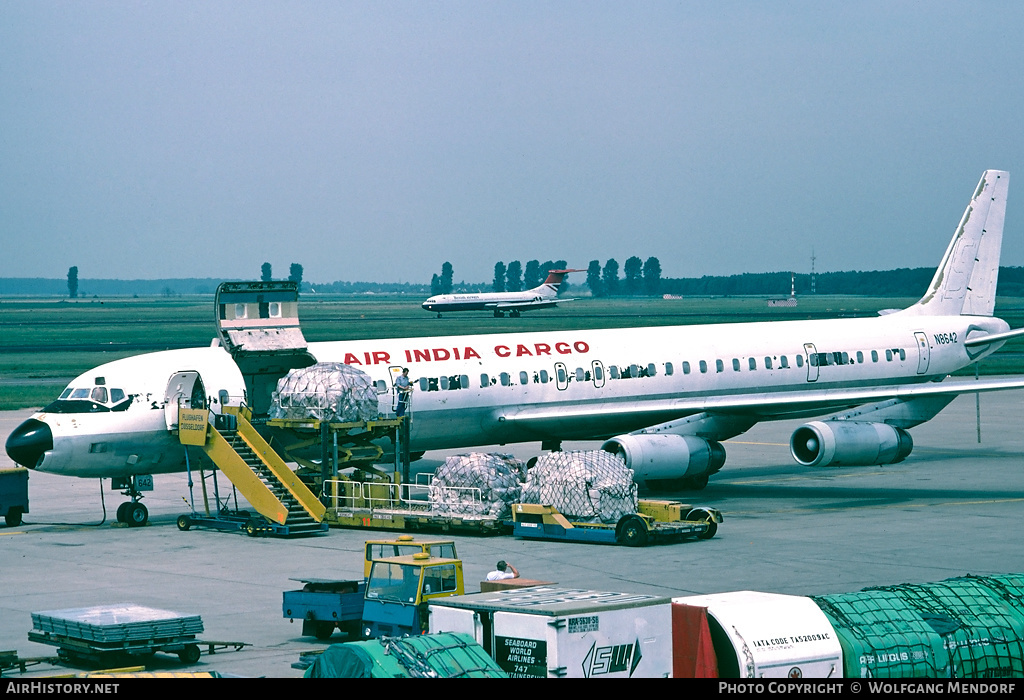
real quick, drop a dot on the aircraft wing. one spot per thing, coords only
(761, 405)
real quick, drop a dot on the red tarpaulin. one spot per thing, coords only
(693, 655)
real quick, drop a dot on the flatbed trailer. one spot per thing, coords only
(387, 505)
(188, 648)
(110, 633)
(679, 522)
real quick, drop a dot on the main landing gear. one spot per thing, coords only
(132, 513)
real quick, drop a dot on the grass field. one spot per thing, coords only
(44, 343)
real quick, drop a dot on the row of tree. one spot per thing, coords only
(640, 278)
(294, 273)
(513, 278)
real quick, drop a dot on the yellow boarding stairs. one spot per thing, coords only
(259, 473)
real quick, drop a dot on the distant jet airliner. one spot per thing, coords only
(664, 398)
(542, 297)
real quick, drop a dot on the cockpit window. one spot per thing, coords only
(95, 399)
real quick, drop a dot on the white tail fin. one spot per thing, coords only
(550, 286)
(965, 282)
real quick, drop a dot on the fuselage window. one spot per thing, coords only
(752, 363)
(903, 354)
(719, 366)
(506, 379)
(598, 373)
(524, 378)
(860, 357)
(99, 394)
(888, 355)
(544, 378)
(445, 384)
(463, 381)
(652, 370)
(380, 384)
(561, 375)
(874, 356)
(579, 374)
(116, 395)
(79, 394)
(424, 384)
(485, 381)
(686, 367)
(767, 362)
(799, 360)
(634, 371)
(668, 369)
(735, 365)
(613, 371)
(784, 362)
(703, 367)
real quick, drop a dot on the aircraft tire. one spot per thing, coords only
(136, 514)
(122, 516)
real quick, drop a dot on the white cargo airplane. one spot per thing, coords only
(664, 398)
(543, 297)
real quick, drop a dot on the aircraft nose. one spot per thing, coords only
(28, 442)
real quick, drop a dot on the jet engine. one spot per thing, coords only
(659, 458)
(848, 443)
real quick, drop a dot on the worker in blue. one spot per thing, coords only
(404, 388)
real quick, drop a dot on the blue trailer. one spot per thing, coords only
(324, 604)
(13, 495)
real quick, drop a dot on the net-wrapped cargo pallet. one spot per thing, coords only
(589, 485)
(330, 391)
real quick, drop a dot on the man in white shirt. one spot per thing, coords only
(404, 388)
(502, 572)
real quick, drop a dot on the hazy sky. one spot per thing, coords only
(372, 141)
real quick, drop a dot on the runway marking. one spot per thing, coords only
(809, 475)
(18, 532)
(763, 444)
(870, 505)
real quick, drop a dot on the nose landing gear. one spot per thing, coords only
(132, 513)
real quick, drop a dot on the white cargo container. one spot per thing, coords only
(764, 635)
(547, 632)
